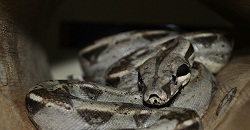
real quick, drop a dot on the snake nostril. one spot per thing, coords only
(153, 98)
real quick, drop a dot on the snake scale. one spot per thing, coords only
(157, 79)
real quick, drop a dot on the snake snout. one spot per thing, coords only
(153, 98)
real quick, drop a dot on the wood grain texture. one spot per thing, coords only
(235, 74)
(22, 64)
(22, 61)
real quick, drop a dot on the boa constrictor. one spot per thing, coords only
(135, 80)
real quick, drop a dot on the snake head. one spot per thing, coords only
(162, 76)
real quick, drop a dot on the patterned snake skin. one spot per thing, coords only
(157, 80)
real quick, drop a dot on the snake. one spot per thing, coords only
(147, 80)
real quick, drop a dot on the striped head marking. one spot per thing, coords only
(161, 77)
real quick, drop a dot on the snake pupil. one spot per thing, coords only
(182, 70)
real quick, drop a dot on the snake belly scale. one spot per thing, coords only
(135, 80)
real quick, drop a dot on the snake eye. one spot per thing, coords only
(182, 70)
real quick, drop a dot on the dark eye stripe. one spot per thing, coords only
(166, 89)
(189, 52)
(182, 70)
(140, 78)
(141, 83)
(173, 79)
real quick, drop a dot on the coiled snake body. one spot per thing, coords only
(135, 80)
